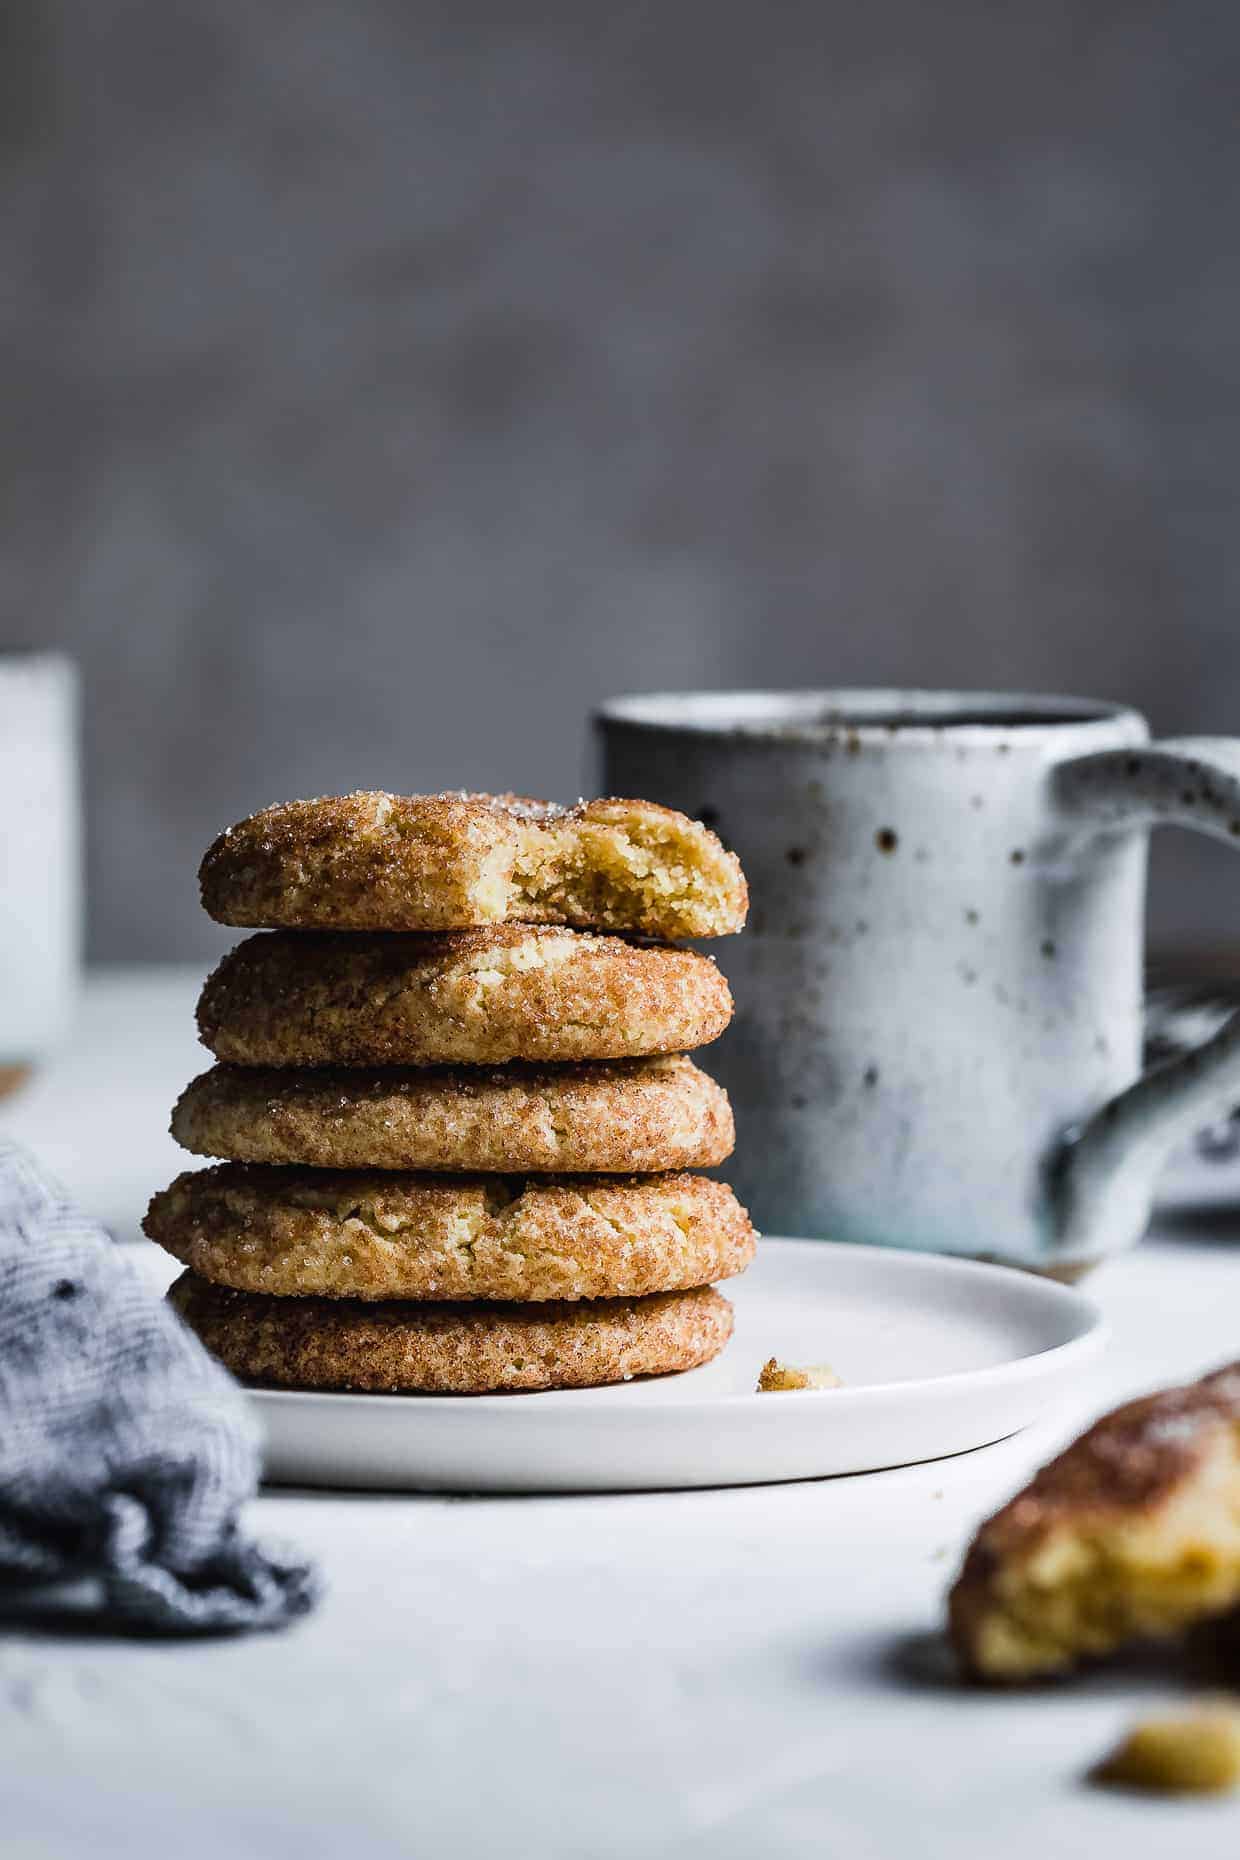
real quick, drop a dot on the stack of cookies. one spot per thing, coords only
(454, 1099)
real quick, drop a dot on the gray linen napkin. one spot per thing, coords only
(126, 1452)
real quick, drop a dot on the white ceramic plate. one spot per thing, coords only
(937, 1355)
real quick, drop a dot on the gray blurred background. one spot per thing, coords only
(384, 383)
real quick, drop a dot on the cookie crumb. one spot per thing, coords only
(1195, 1752)
(777, 1376)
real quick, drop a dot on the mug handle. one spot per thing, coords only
(1105, 1173)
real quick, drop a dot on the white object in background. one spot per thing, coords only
(40, 853)
(937, 1355)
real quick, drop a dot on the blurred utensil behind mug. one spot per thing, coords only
(1190, 993)
(40, 856)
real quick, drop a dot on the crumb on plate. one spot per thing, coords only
(777, 1376)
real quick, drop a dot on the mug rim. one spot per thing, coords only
(865, 713)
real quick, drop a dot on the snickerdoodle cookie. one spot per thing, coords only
(313, 1343)
(463, 997)
(1132, 1533)
(451, 861)
(623, 1114)
(371, 1235)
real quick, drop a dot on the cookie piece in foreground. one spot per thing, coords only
(465, 997)
(314, 1343)
(358, 1234)
(1133, 1533)
(631, 1115)
(452, 861)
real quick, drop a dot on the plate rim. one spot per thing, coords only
(1089, 1339)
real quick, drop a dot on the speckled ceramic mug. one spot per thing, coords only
(938, 1032)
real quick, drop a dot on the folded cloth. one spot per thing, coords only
(126, 1452)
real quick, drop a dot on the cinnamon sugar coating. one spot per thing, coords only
(623, 1114)
(311, 1343)
(374, 861)
(368, 1234)
(465, 997)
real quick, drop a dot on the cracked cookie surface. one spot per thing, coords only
(374, 861)
(633, 1115)
(358, 1234)
(464, 997)
(312, 1343)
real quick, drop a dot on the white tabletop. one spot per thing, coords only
(727, 1673)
